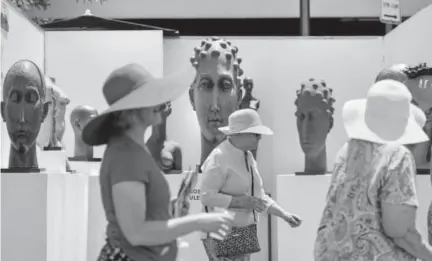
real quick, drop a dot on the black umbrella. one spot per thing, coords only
(88, 21)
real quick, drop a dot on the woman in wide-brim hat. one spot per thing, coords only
(135, 194)
(231, 180)
(371, 203)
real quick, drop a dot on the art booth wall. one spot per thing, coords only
(411, 42)
(24, 40)
(81, 61)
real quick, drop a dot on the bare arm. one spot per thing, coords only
(399, 199)
(130, 207)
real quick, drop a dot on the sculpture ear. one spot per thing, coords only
(45, 109)
(192, 98)
(77, 124)
(3, 111)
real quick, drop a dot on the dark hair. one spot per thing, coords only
(419, 70)
(117, 123)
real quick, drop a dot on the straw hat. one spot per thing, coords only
(385, 116)
(245, 121)
(132, 87)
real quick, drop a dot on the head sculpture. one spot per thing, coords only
(216, 90)
(79, 117)
(24, 108)
(419, 82)
(395, 72)
(249, 101)
(314, 115)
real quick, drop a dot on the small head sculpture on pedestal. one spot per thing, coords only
(24, 108)
(79, 117)
(216, 90)
(314, 121)
(249, 101)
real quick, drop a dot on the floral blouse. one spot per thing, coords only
(365, 175)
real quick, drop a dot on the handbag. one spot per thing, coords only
(240, 240)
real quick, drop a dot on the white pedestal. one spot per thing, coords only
(44, 216)
(53, 161)
(87, 167)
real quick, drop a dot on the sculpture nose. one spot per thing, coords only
(215, 107)
(21, 118)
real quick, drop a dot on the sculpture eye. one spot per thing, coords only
(205, 84)
(32, 97)
(302, 116)
(226, 84)
(15, 96)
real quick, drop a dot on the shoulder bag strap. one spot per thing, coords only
(250, 170)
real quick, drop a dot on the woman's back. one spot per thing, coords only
(365, 175)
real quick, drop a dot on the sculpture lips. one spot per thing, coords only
(21, 134)
(215, 122)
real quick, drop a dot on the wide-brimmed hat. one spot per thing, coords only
(132, 87)
(245, 121)
(385, 116)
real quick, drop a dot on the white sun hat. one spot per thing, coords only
(133, 87)
(245, 121)
(385, 116)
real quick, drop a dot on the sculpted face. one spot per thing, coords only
(80, 116)
(215, 93)
(314, 116)
(23, 107)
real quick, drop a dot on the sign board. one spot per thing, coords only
(390, 12)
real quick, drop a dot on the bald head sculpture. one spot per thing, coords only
(79, 117)
(24, 108)
(395, 72)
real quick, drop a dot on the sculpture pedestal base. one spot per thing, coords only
(53, 161)
(22, 170)
(86, 167)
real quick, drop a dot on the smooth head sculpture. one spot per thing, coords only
(79, 117)
(314, 115)
(24, 108)
(395, 72)
(216, 90)
(419, 82)
(249, 101)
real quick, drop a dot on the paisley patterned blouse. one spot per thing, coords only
(365, 175)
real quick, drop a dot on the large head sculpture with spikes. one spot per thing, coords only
(314, 114)
(216, 90)
(419, 82)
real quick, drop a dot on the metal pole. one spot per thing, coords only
(305, 17)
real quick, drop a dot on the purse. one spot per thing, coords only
(240, 240)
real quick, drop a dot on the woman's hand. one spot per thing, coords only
(217, 223)
(292, 220)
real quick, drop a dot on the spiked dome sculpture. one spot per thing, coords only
(216, 89)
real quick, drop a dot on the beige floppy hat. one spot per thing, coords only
(245, 121)
(385, 116)
(133, 87)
